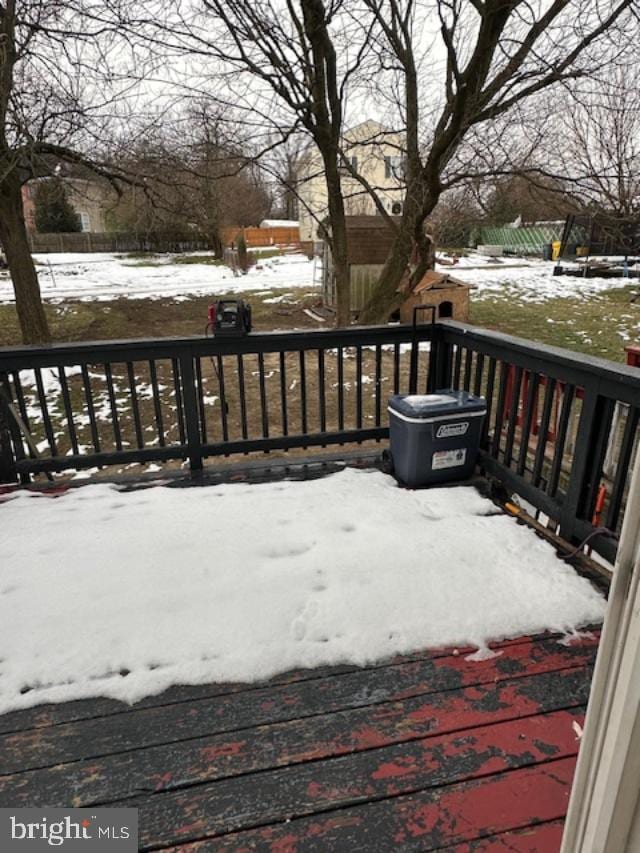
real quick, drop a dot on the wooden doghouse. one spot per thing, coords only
(448, 294)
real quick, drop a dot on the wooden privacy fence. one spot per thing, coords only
(161, 241)
(85, 241)
(560, 426)
(257, 237)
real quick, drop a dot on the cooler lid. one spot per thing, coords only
(446, 401)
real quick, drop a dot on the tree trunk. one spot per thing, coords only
(338, 240)
(13, 236)
(386, 297)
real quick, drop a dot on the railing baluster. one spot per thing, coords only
(156, 401)
(283, 394)
(477, 384)
(42, 400)
(68, 410)
(22, 407)
(491, 378)
(527, 418)
(456, 367)
(561, 437)
(467, 369)
(396, 368)
(340, 388)
(175, 368)
(378, 379)
(543, 430)
(303, 392)
(200, 395)
(499, 419)
(263, 397)
(322, 403)
(134, 405)
(224, 406)
(243, 395)
(88, 395)
(113, 406)
(359, 386)
(622, 468)
(513, 416)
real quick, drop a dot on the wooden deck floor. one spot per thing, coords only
(428, 752)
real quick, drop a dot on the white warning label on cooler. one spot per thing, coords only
(448, 459)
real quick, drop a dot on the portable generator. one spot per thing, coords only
(229, 317)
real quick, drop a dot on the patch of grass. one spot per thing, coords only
(199, 259)
(135, 256)
(140, 318)
(599, 325)
(265, 255)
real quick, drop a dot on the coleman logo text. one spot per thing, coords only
(449, 430)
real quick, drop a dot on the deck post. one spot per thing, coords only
(8, 472)
(440, 362)
(194, 437)
(604, 810)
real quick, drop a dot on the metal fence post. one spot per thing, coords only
(191, 417)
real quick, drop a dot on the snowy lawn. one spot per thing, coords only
(526, 280)
(107, 593)
(100, 277)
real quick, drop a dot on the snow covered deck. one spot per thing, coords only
(429, 751)
(280, 648)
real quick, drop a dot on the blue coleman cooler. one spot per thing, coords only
(435, 437)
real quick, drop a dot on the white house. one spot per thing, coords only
(376, 153)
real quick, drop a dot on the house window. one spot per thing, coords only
(394, 167)
(85, 222)
(353, 162)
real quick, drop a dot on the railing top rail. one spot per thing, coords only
(566, 365)
(21, 357)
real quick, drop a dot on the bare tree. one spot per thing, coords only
(599, 163)
(195, 173)
(299, 62)
(56, 89)
(498, 54)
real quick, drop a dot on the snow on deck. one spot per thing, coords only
(122, 594)
(102, 276)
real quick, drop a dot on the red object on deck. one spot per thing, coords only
(522, 404)
(633, 355)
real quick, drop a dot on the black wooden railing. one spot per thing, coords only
(561, 429)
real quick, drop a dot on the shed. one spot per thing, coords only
(449, 295)
(369, 241)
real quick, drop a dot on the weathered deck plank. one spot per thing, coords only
(305, 789)
(133, 729)
(427, 752)
(424, 820)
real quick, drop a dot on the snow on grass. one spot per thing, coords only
(102, 277)
(124, 594)
(527, 280)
